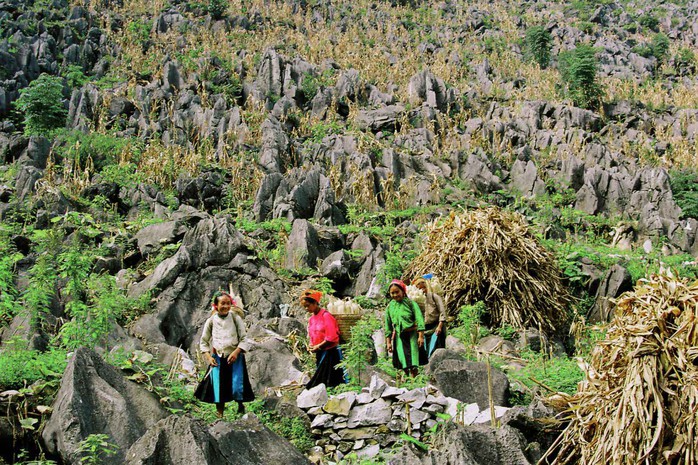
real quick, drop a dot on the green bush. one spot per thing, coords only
(561, 374)
(643, 50)
(660, 46)
(94, 448)
(102, 150)
(358, 351)
(649, 21)
(19, 368)
(75, 76)
(217, 8)
(8, 291)
(578, 71)
(684, 186)
(539, 42)
(685, 57)
(469, 328)
(42, 105)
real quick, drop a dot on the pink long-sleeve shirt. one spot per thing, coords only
(323, 327)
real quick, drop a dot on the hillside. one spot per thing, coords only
(155, 151)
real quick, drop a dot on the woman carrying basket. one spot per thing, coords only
(323, 334)
(434, 320)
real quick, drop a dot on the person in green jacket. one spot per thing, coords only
(404, 328)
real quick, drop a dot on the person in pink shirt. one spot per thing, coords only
(323, 336)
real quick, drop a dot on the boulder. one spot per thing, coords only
(248, 441)
(384, 118)
(95, 398)
(467, 382)
(180, 440)
(616, 281)
(176, 440)
(469, 445)
(270, 362)
(151, 238)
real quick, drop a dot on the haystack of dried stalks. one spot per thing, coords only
(490, 255)
(639, 404)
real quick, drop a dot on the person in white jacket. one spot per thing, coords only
(223, 345)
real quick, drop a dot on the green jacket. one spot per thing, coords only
(402, 315)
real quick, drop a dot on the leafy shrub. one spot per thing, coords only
(42, 105)
(643, 50)
(660, 46)
(217, 8)
(684, 186)
(94, 448)
(685, 57)
(101, 150)
(469, 328)
(359, 350)
(578, 71)
(649, 21)
(586, 26)
(23, 367)
(75, 76)
(538, 45)
(8, 291)
(561, 374)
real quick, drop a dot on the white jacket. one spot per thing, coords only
(224, 334)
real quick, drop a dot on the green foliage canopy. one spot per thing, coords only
(42, 105)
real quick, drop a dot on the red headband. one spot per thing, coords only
(400, 284)
(312, 295)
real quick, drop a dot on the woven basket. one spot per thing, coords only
(345, 323)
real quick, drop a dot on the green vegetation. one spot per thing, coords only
(684, 186)
(42, 105)
(578, 72)
(358, 352)
(468, 327)
(649, 21)
(22, 368)
(539, 42)
(554, 374)
(217, 8)
(93, 150)
(660, 46)
(94, 448)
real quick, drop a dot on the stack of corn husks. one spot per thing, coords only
(489, 255)
(639, 403)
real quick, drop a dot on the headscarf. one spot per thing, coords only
(400, 284)
(311, 294)
(426, 282)
(235, 301)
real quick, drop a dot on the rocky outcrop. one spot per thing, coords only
(95, 398)
(180, 440)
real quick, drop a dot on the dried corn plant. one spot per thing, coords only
(490, 255)
(639, 402)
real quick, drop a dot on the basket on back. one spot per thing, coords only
(347, 313)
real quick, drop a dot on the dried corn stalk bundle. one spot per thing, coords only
(639, 403)
(489, 255)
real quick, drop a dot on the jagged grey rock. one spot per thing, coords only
(467, 382)
(95, 398)
(314, 397)
(616, 281)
